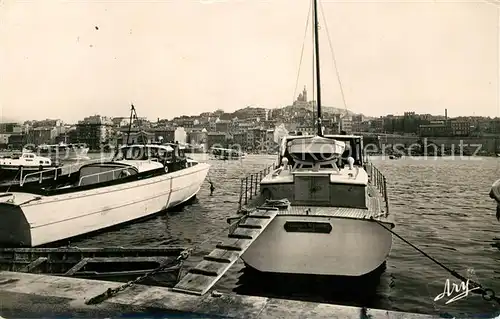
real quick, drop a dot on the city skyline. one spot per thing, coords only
(74, 59)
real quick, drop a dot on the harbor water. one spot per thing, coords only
(441, 205)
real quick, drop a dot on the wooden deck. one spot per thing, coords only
(202, 277)
(376, 209)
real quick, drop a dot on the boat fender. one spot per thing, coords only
(166, 169)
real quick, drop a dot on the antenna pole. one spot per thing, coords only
(318, 81)
(132, 109)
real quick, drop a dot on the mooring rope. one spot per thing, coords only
(487, 293)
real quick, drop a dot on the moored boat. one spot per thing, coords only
(328, 207)
(26, 161)
(328, 215)
(139, 181)
(111, 263)
(218, 153)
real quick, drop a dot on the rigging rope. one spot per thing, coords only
(333, 57)
(487, 293)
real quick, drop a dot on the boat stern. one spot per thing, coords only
(15, 229)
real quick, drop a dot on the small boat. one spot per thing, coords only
(140, 181)
(112, 263)
(26, 161)
(395, 156)
(219, 153)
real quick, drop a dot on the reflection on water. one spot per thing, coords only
(440, 205)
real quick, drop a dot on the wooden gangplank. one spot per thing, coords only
(202, 277)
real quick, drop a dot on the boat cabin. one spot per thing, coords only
(130, 162)
(26, 159)
(335, 179)
(134, 159)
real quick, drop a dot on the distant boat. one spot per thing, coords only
(225, 154)
(26, 161)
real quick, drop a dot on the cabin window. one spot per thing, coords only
(41, 162)
(153, 152)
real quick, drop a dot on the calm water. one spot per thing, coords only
(440, 205)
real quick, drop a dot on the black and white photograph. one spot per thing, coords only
(250, 159)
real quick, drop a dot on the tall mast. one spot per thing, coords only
(318, 81)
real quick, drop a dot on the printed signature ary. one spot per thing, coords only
(455, 291)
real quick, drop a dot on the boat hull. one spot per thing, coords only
(353, 247)
(32, 220)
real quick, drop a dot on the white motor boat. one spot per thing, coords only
(140, 181)
(332, 214)
(26, 161)
(332, 222)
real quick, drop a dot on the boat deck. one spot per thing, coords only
(62, 296)
(376, 209)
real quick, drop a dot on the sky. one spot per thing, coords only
(71, 59)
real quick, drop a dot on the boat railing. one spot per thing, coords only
(98, 174)
(379, 181)
(62, 170)
(250, 185)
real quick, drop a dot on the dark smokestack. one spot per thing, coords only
(445, 114)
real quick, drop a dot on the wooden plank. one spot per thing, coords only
(202, 277)
(76, 267)
(126, 259)
(32, 266)
(266, 214)
(244, 233)
(222, 256)
(235, 245)
(254, 223)
(208, 268)
(174, 250)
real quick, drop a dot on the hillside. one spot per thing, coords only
(5, 119)
(326, 109)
